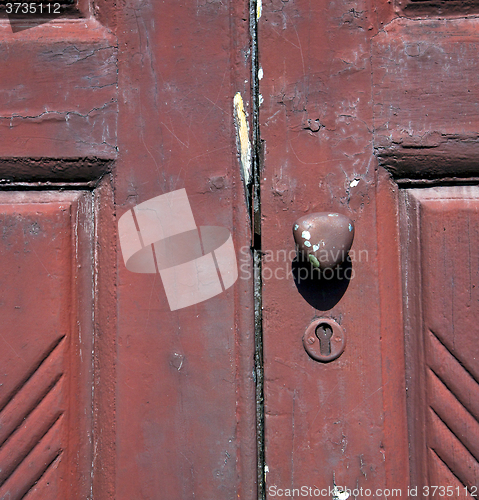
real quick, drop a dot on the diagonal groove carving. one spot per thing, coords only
(451, 451)
(462, 363)
(32, 392)
(432, 450)
(453, 374)
(10, 427)
(53, 462)
(31, 432)
(46, 412)
(8, 397)
(453, 414)
(45, 455)
(453, 417)
(452, 394)
(42, 472)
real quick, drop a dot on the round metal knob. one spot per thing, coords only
(324, 238)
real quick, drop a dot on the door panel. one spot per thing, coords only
(441, 273)
(58, 90)
(325, 422)
(185, 404)
(359, 103)
(149, 85)
(46, 280)
(425, 91)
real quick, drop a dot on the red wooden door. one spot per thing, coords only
(47, 335)
(368, 109)
(105, 107)
(241, 116)
(440, 235)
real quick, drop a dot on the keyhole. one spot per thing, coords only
(324, 333)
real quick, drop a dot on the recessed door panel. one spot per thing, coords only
(46, 345)
(441, 270)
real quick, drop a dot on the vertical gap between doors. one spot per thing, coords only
(257, 254)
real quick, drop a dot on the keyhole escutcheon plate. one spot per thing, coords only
(324, 340)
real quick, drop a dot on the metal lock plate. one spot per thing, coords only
(324, 340)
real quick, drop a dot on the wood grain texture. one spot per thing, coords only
(426, 126)
(443, 375)
(326, 422)
(439, 472)
(185, 400)
(58, 90)
(392, 331)
(45, 401)
(184, 432)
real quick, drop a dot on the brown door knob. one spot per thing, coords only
(324, 238)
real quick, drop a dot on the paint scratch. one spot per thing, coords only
(259, 9)
(243, 142)
(11, 347)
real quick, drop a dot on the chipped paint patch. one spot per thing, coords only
(296, 226)
(306, 235)
(315, 248)
(339, 494)
(350, 227)
(242, 138)
(354, 183)
(259, 8)
(307, 243)
(260, 74)
(314, 261)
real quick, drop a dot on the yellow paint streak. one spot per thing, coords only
(243, 141)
